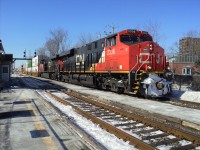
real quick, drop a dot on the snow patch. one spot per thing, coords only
(110, 141)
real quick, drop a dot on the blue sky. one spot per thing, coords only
(25, 24)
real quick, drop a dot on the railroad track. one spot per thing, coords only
(184, 103)
(178, 102)
(140, 131)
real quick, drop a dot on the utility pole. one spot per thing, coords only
(113, 27)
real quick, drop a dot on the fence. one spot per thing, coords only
(192, 81)
(196, 83)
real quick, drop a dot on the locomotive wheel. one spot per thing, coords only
(120, 90)
(113, 87)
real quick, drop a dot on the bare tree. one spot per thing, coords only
(41, 51)
(58, 42)
(154, 30)
(192, 34)
(174, 49)
(52, 47)
(84, 39)
(110, 29)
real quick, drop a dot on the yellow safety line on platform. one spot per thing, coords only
(49, 143)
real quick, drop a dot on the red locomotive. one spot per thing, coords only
(126, 62)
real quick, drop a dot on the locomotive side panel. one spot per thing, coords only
(117, 55)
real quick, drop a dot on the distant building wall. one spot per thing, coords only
(32, 66)
(182, 68)
(189, 45)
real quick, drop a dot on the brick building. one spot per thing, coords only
(189, 53)
(183, 68)
(189, 45)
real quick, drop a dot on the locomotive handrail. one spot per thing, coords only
(141, 66)
(133, 67)
(135, 64)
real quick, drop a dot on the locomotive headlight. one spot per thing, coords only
(151, 47)
(159, 85)
(168, 68)
(149, 68)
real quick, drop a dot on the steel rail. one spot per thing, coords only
(108, 127)
(168, 129)
(184, 103)
(95, 144)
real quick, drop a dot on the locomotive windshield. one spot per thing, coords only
(132, 39)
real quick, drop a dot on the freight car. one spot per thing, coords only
(125, 62)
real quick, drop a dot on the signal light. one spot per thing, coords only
(35, 54)
(25, 54)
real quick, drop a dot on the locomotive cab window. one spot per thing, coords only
(145, 38)
(129, 39)
(132, 39)
(111, 41)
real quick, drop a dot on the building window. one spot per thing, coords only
(187, 70)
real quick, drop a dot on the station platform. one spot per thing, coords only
(28, 123)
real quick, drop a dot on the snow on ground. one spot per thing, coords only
(186, 94)
(110, 141)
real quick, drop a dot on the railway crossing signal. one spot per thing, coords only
(25, 54)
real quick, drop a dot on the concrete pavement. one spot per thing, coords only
(28, 123)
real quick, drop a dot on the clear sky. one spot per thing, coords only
(25, 24)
